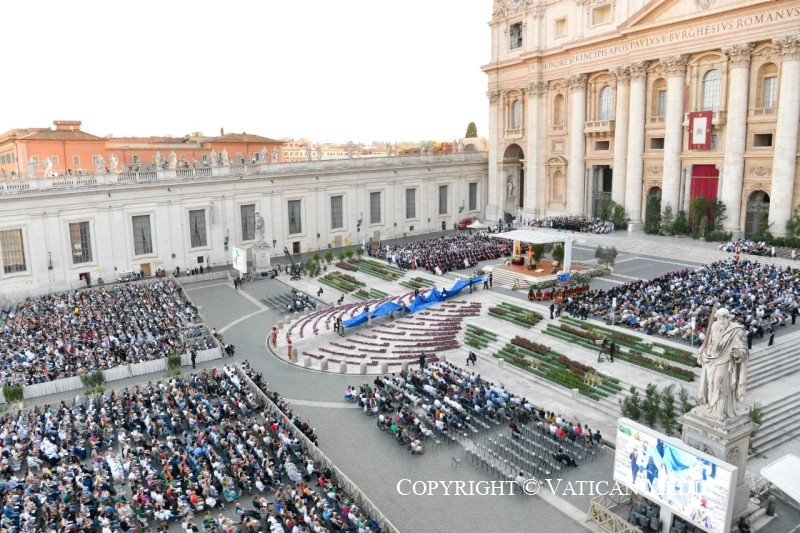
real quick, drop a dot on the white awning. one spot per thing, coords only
(785, 474)
(534, 237)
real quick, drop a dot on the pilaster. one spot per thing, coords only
(623, 77)
(675, 69)
(635, 149)
(577, 184)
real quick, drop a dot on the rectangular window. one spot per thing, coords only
(662, 103)
(561, 27)
(515, 36)
(295, 217)
(96, 159)
(442, 199)
(239, 157)
(54, 159)
(81, 242)
(337, 217)
(142, 236)
(473, 196)
(770, 92)
(197, 228)
(714, 141)
(762, 140)
(657, 143)
(248, 213)
(374, 208)
(602, 146)
(601, 14)
(136, 159)
(76, 160)
(411, 203)
(13, 251)
(35, 159)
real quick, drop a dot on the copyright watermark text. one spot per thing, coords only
(529, 486)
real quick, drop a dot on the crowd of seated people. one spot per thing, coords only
(581, 224)
(748, 246)
(189, 445)
(443, 254)
(63, 334)
(759, 296)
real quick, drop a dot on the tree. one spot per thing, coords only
(698, 210)
(631, 407)
(619, 217)
(681, 225)
(606, 255)
(652, 222)
(538, 252)
(472, 130)
(667, 220)
(793, 224)
(718, 214)
(558, 253)
(606, 208)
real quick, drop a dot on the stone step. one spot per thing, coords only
(766, 355)
(772, 438)
(778, 369)
(774, 408)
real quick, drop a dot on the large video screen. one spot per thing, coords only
(670, 473)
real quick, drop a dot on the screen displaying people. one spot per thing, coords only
(673, 475)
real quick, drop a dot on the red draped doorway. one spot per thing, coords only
(705, 180)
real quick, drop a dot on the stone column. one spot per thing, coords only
(784, 158)
(576, 185)
(635, 150)
(496, 193)
(673, 130)
(534, 169)
(623, 76)
(687, 188)
(736, 134)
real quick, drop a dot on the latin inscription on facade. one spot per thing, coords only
(690, 32)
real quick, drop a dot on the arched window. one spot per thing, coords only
(558, 110)
(516, 115)
(659, 98)
(712, 89)
(768, 86)
(606, 103)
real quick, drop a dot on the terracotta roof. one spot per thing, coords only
(153, 139)
(242, 138)
(61, 135)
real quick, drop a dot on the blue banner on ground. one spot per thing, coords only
(421, 302)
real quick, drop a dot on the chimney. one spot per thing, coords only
(68, 125)
(221, 132)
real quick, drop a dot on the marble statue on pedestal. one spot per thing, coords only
(224, 157)
(158, 160)
(113, 163)
(173, 160)
(31, 168)
(48, 167)
(723, 357)
(100, 165)
(319, 152)
(275, 155)
(259, 230)
(262, 156)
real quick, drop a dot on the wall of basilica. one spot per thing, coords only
(53, 231)
(595, 99)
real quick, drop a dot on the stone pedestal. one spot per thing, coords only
(343, 368)
(262, 261)
(727, 440)
(384, 368)
(323, 365)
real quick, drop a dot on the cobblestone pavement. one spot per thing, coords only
(373, 460)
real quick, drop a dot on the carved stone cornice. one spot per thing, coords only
(493, 96)
(638, 71)
(739, 54)
(621, 74)
(506, 8)
(788, 47)
(537, 88)
(675, 65)
(577, 82)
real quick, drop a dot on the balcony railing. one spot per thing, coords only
(659, 119)
(764, 112)
(514, 133)
(599, 127)
(558, 128)
(718, 118)
(103, 179)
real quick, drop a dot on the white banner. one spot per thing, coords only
(700, 130)
(239, 260)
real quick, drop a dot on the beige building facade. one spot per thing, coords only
(594, 99)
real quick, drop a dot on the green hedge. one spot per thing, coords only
(13, 393)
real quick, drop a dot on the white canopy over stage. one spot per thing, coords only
(541, 237)
(785, 474)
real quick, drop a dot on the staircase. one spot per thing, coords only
(781, 423)
(772, 362)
